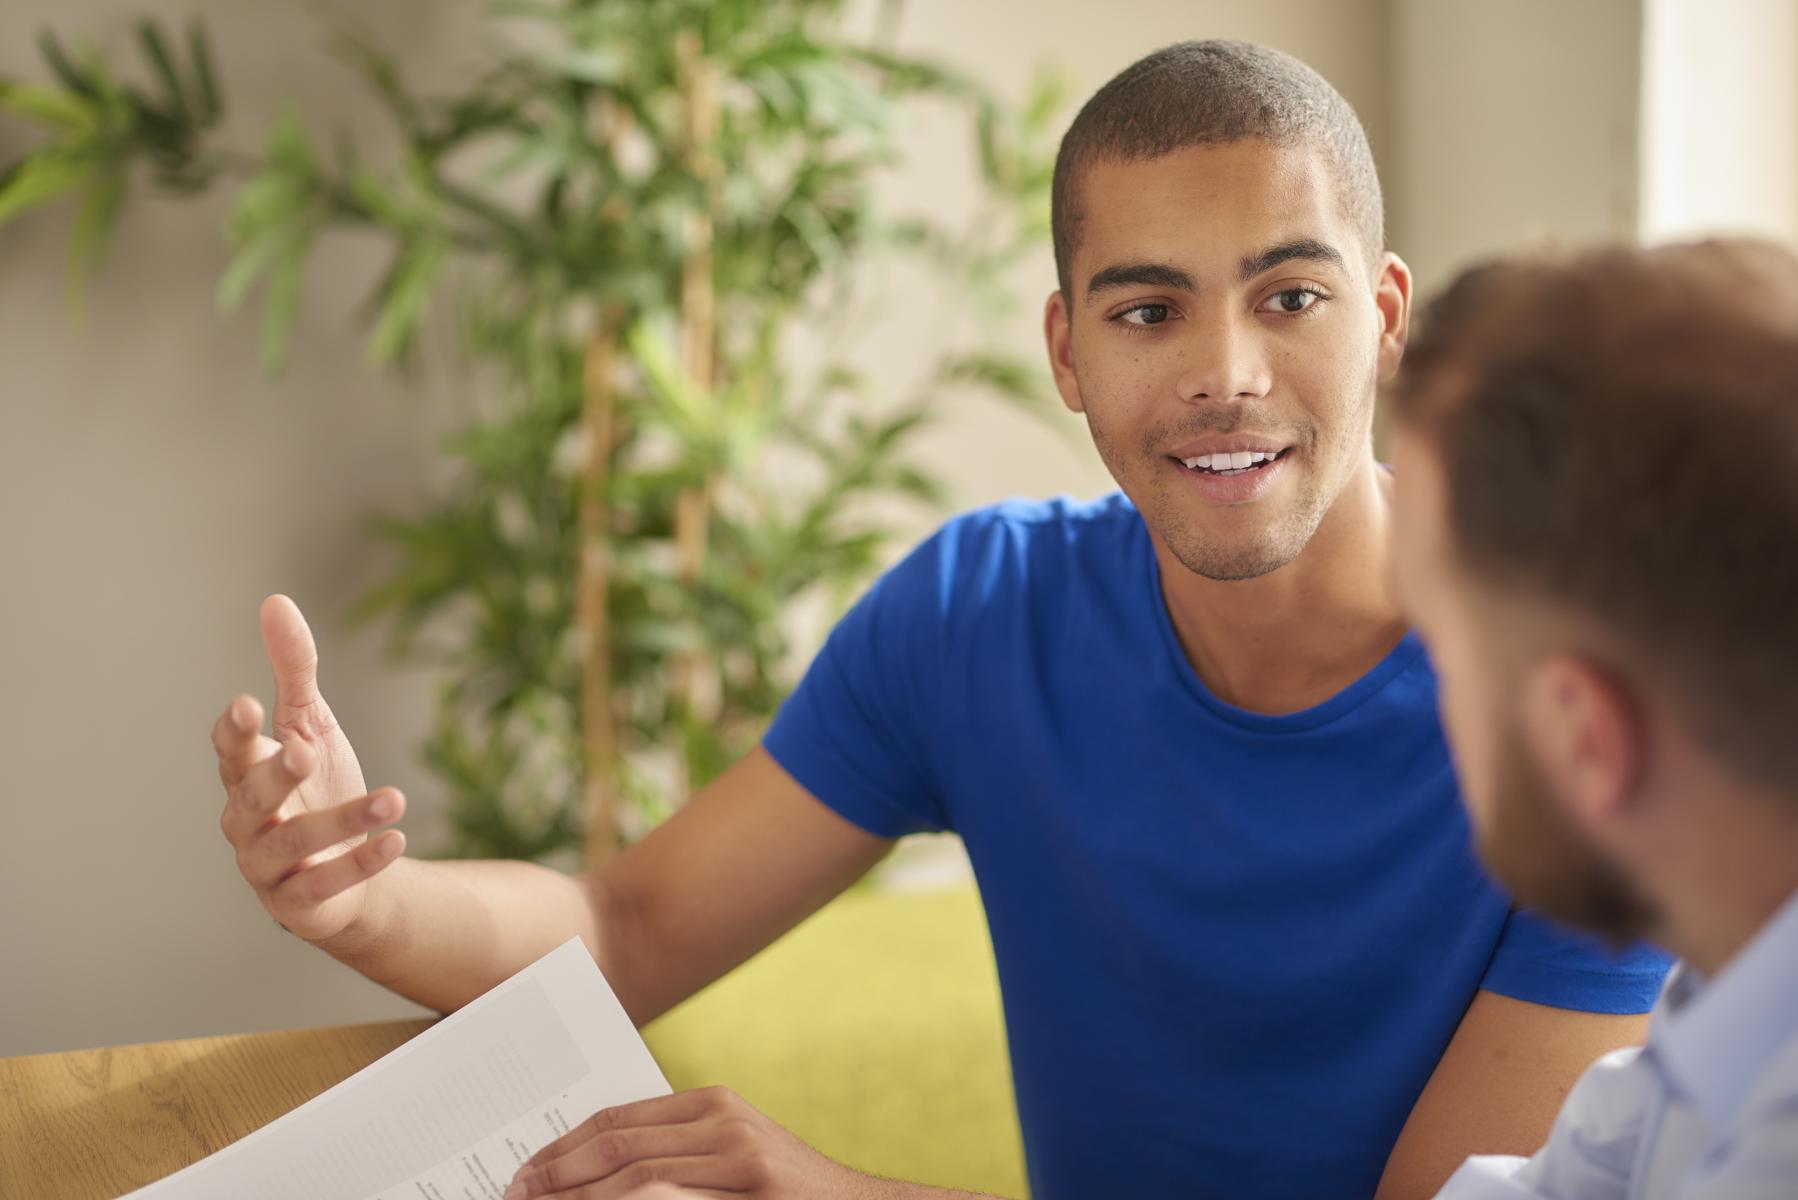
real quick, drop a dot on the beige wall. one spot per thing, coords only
(155, 486)
(1514, 123)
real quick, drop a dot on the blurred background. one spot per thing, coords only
(157, 479)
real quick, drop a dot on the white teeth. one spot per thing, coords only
(1237, 461)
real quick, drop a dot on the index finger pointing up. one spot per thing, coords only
(291, 653)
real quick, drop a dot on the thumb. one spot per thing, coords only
(291, 652)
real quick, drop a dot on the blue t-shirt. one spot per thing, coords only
(1232, 946)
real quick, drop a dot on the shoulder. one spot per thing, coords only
(1021, 537)
(986, 567)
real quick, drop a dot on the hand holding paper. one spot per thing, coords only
(454, 1112)
(710, 1139)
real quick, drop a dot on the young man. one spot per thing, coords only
(1597, 532)
(1183, 731)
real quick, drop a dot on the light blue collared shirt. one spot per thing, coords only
(1707, 1110)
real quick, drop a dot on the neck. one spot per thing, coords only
(1719, 880)
(1295, 637)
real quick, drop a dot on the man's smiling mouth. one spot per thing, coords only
(1240, 462)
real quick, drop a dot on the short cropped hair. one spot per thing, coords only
(1209, 93)
(1619, 435)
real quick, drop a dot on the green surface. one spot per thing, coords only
(873, 1031)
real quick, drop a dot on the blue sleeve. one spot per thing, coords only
(857, 732)
(1544, 963)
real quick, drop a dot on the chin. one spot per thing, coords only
(1228, 555)
(1220, 560)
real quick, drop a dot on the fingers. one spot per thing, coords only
(709, 1138)
(661, 1110)
(263, 789)
(317, 883)
(291, 653)
(274, 854)
(237, 738)
(621, 1159)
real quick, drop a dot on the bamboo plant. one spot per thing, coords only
(622, 214)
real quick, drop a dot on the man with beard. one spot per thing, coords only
(1597, 535)
(1184, 732)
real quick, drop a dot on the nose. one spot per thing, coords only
(1224, 361)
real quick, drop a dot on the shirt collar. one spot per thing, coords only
(1716, 1036)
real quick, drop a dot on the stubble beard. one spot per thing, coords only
(1533, 848)
(1261, 548)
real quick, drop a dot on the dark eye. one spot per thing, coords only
(1145, 314)
(1292, 300)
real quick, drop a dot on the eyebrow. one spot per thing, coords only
(1154, 274)
(1146, 274)
(1309, 249)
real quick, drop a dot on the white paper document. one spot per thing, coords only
(451, 1114)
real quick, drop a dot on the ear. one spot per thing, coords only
(1058, 335)
(1392, 299)
(1587, 735)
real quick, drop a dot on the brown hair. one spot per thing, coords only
(1207, 93)
(1619, 435)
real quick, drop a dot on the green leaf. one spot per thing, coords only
(65, 70)
(910, 75)
(282, 302)
(380, 198)
(921, 486)
(986, 133)
(41, 178)
(405, 300)
(531, 151)
(1009, 377)
(683, 399)
(206, 87)
(245, 266)
(97, 77)
(155, 49)
(94, 223)
(1048, 92)
(601, 65)
(58, 108)
(289, 148)
(381, 72)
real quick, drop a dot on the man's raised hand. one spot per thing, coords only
(297, 811)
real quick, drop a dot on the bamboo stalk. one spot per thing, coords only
(699, 320)
(599, 728)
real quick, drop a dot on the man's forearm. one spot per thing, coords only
(442, 933)
(746, 859)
